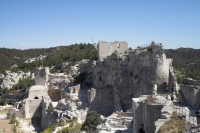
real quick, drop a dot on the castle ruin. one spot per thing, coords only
(105, 49)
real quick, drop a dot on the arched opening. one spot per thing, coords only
(36, 97)
(99, 78)
(123, 106)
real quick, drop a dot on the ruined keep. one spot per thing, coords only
(105, 49)
(120, 77)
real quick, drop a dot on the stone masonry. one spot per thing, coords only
(105, 48)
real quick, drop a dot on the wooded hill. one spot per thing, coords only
(55, 56)
(186, 61)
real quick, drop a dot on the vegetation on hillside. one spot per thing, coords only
(174, 125)
(55, 57)
(93, 119)
(10, 57)
(3, 101)
(71, 129)
(23, 84)
(186, 62)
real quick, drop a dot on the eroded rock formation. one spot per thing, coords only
(118, 78)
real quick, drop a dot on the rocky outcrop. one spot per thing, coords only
(41, 76)
(35, 59)
(118, 78)
(12, 78)
(1, 76)
(150, 115)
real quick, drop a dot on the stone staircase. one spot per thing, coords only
(119, 121)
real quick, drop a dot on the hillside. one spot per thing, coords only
(55, 56)
(186, 61)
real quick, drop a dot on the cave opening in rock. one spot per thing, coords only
(36, 97)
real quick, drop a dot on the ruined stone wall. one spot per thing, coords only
(105, 97)
(145, 114)
(130, 76)
(58, 77)
(105, 49)
(188, 81)
(48, 119)
(190, 94)
(41, 76)
(17, 112)
(34, 108)
(37, 94)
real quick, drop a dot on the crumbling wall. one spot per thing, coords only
(190, 94)
(188, 81)
(34, 108)
(17, 112)
(105, 49)
(145, 114)
(48, 118)
(129, 76)
(41, 76)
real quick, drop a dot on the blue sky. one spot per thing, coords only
(48, 23)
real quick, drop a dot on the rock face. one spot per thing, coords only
(41, 76)
(1, 76)
(150, 115)
(190, 92)
(12, 78)
(35, 59)
(118, 78)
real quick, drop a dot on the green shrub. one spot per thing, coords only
(3, 101)
(1, 80)
(150, 47)
(6, 90)
(92, 120)
(62, 123)
(74, 129)
(50, 129)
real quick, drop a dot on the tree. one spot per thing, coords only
(5, 90)
(93, 119)
(3, 101)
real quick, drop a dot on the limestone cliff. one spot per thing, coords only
(118, 78)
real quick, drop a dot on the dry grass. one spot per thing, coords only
(150, 100)
(175, 125)
(5, 126)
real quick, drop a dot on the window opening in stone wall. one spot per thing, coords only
(118, 45)
(99, 78)
(36, 98)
